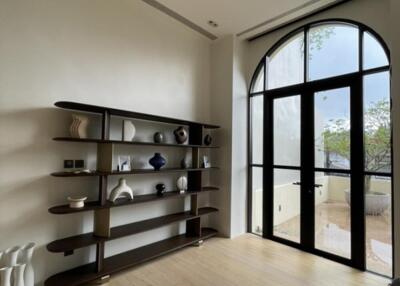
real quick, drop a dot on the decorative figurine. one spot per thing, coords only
(26, 254)
(208, 140)
(122, 190)
(180, 135)
(18, 274)
(78, 128)
(161, 189)
(5, 276)
(181, 183)
(157, 161)
(184, 164)
(158, 137)
(128, 130)
(76, 202)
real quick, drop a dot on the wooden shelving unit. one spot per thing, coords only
(102, 232)
(132, 172)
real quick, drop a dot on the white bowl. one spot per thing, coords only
(76, 202)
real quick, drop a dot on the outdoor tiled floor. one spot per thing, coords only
(333, 234)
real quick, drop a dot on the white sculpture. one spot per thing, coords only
(26, 258)
(17, 262)
(78, 128)
(5, 276)
(11, 256)
(18, 275)
(181, 183)
(128, 130)
(122, 190)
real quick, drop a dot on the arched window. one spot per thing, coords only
(320, 153)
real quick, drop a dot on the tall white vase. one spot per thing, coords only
(1, 261)
(5, 276)
(18, 274)
(26, 258)
(10, 256)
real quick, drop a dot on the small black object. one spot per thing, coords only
(68, 164)
(184, 164)
(160, 189)
(207, 140)
(79, 163)
(158, 137)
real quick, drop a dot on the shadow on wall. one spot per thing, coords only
(28, 156)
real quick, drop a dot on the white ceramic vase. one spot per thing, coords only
(181, 183)
(128, 130)
(18, 274)
(5, 276)
(122, 190)
(26, 258)
(79, 125)
(10, 256)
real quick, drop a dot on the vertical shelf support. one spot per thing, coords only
(101, 224)
(99, 256)
(193, 226)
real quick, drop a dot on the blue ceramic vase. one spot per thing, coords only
(157, 161)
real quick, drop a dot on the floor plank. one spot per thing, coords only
(246, 260)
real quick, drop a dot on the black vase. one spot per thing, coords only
(184, 164)
(208, 140)
(180, 135)
(158, 137)
(157, 161)
(160, 189)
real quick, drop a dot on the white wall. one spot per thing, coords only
(120, 53)
(221, 112)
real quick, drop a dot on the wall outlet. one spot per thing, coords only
(68, 164)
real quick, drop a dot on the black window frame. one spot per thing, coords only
(357, 83)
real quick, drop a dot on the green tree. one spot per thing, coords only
(377, 139)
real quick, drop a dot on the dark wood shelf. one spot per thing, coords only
(87, 239)
(95, 205)
(132, 172)
(125, 113)
(91, 140)
(119, 262)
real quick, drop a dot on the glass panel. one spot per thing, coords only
(257, 124)
(286, 64)
(332, 128)
(287, 131)
(332, 50)
(287, 204)
(374, 55)
(378, 224)
(377, 135)
(258, 84)
(332, 213)
(257, 200)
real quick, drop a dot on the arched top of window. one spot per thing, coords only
(318, 51)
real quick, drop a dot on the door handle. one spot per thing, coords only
(318, 186)
(297, 183)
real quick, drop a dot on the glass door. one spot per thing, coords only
(315, 173)
(286, 169)
(332, 176)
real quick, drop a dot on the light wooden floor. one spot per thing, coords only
(246, 260)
